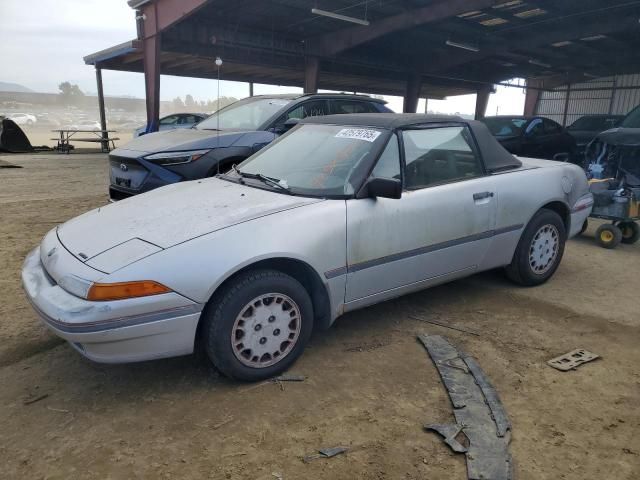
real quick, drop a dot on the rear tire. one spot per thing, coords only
(630, 232)
(257, 325)
(539, 251)
(608, 236)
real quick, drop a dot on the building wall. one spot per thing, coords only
(619, 95)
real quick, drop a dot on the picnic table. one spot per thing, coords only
(97, 136)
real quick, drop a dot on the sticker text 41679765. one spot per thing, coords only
(365, 134)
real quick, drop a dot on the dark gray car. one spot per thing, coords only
(587, 127)
(225, 138)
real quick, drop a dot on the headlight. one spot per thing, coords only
(176, 158)
(75, 285)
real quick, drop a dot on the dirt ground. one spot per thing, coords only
(370, 385)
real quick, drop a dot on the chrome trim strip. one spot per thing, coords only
(336, 272)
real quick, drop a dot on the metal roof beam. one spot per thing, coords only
(332, 43)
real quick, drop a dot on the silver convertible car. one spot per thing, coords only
(340, 213)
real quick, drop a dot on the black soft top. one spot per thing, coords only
(493, 154)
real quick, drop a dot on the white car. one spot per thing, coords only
(22, 118)
(342, 212)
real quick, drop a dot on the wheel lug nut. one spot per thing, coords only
(276, 332)
(272, 319)
(258, 327)
(263, 340)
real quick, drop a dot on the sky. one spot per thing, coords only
(44, 41)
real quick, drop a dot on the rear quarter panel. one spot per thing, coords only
(521, 193)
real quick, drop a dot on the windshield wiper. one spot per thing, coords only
(274, 182)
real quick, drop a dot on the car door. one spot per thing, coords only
(441, 227)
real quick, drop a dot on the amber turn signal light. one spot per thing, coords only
(118, 291)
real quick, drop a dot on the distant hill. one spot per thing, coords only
(14, 87)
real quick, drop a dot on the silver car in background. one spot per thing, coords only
(172, 122)
(340, 213)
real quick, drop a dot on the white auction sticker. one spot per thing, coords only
(359, 134)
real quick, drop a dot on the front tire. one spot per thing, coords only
(257, 325)
(539, 251)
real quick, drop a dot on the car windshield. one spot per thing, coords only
(317, 160)
(248, 114)
(505, 127)
(632, 120)
(594, 124)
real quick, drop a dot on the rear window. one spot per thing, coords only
(505, 127)
(594, 124)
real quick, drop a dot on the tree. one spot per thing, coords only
(189, 102)
(70, 93)
(178, 104)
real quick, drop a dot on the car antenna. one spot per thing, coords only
(218, 65)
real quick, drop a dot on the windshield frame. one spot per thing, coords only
(358, 177)
(245, 101)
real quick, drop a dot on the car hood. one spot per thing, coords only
(182, 139)
(113, 236)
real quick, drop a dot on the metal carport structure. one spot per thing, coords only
(409, 48)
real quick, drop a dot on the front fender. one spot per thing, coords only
(314, 234)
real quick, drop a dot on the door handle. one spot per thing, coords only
(482, 195)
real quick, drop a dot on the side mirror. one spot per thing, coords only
(289, 124)
(384, 188)
(286, 126)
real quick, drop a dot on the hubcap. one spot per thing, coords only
(266, 330)
(544, 249)
(606, 236)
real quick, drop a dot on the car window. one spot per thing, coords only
(551, 127)
(170, 120)
(535, 128)
(248, 114)
(314, 108)
(352, 106)
(632, 120)
(317, 159)
(438, 155)
(505, 126)
(188, 120)
(595, 123)
(388, 165)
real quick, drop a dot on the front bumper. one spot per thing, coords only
(119, 331)
(130, 175)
